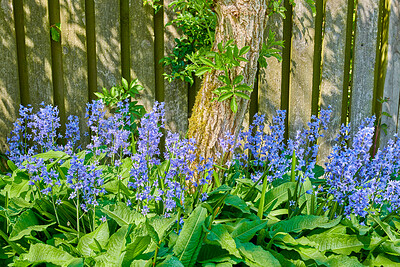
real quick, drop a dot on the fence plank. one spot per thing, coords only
(333, 83)
(142, 50)
(301, 80)
(38, 51)
(392, 79)
(74, 59)
(9, 86)
(108, 43)
(364, 61)
(176, 99)
(269, 85)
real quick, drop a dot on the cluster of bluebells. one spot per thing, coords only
(269, 153)
(177, 174)
(108, 135)
(86, 183)
(359, 182)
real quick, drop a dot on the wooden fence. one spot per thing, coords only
(104, 40)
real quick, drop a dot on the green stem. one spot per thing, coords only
(260, 212)
(54, 207)
(77, 214)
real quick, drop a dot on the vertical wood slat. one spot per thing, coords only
(74, 59)
(38, 52)
(108, 43)
(9, 86)
(364, 61)
(270, 78)
(334, 60)
(125, 39)
(301, 79)
(57, 64)
(392, 79)
(175, 93)
(90, 24)
(142, 50)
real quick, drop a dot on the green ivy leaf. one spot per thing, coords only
(234, 106)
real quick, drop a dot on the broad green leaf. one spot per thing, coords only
(391, 247)
(384, 260)
(170, 261)
(300, 223)
(256, 255)
(153, 234)
(219, 235)
(189, 242)
(305, 197)
(123, 214)
(278, 195)
(246, 230)
(115, 247)
(52, 155)
(342, 260)
(338, 243)
(86, 242)
(139, 263)
(162, 225)
(26, 223)
(19, 187)
(238, 203)
(135, 248)
(42, 253)
(11, 165)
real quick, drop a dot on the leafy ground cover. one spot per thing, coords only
(121, 201)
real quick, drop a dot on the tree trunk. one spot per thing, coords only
(243, 21)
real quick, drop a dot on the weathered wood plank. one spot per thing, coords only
(392, 79)
(108, 43)
(142, 50)
(176, 93)
(38, 51)
(332, 83)
(9, 86)
(364, 61)
(301, 80)
(269, 84)
(74, 59)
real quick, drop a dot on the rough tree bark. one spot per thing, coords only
(244, 21)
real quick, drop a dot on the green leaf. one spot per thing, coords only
(26, 223)
(125, 83)
(219, 235)
(242, 95)
(338, 243)
(170, 261)
(11, 165)
(244, 50)
(189, 242)
(278, 195)
(162, 225)
(52, 155)
(136, 248)
(234, 106)
(153, 234)
(115, 247)
(243, 87)
(202, 70)
(246, 230)
(384, 260)
(43, 253)
(342, 260)
(207, 62)
(225, 96)
(300, 223)
(122, 214)
(238, 203)
(256, 255)
(238, 79)
(86, 242)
